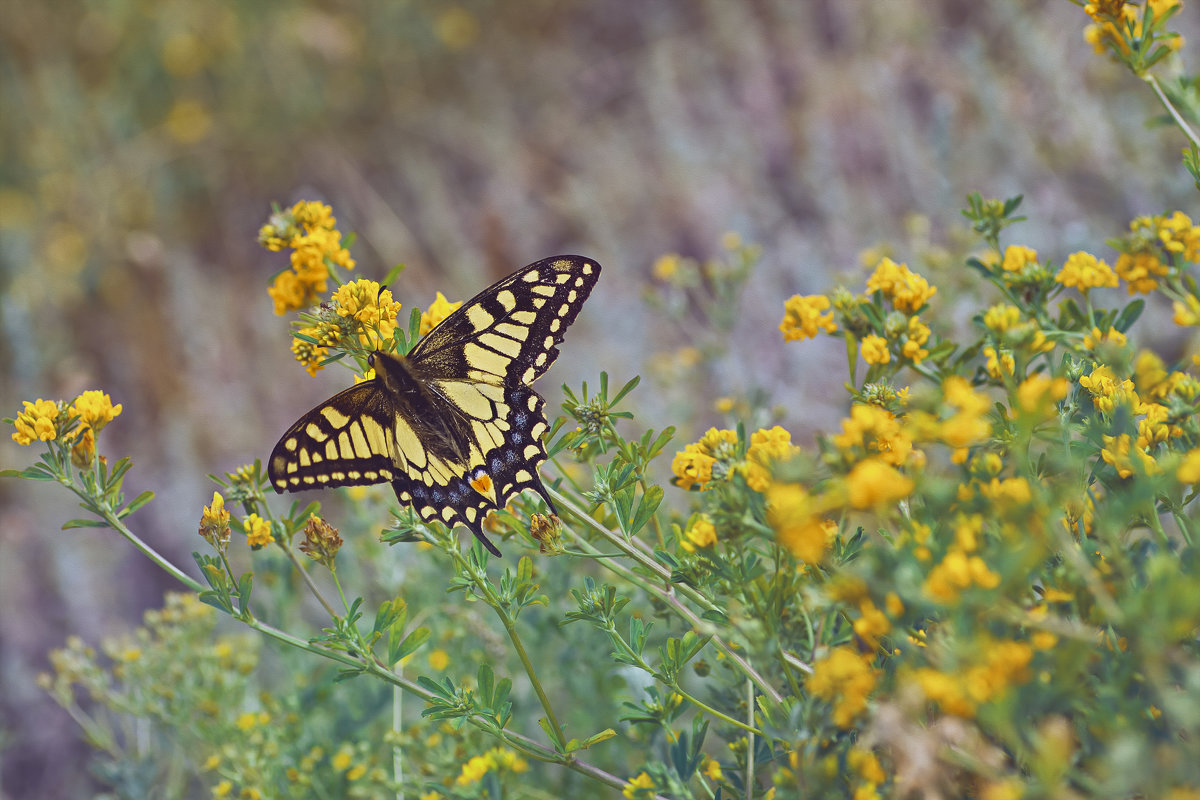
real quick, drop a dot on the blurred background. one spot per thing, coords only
(142, 143)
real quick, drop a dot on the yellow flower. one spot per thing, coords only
(222, 789)
(438, 310)
(875, 350)
(37, 422)
(439, 660)
(1002, 317)
(1140, 270)
(638, 787)
(1188, 312)
(95, 409)
(1083, 271)
(1189, 469)
(914, 339)
(1106, 390)
(1039, 395)
(872, 430)
(873, 482)
(214, 523)
(845, 679)
(999, 364)
(700, 533)
(865, 764)
(1120, 452)
(805, 316)
(712, 770)
(907, 290)
(1016, 257)
(871, 623)
(258, 531)
(956, 572)
(310, 230)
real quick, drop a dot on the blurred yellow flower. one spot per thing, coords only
(844, 678)
(1016, 257)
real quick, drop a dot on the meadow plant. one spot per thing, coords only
(984, 583)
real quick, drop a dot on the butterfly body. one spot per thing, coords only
(453, 425)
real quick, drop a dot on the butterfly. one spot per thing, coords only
(453, 425)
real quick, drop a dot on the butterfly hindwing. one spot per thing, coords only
(454, 425)
(347, 440)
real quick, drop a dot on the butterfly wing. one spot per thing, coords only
(481, 360)
(347, 440)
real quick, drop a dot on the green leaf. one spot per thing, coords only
(646, 508)
(410, 644)
(84, 523)
(36, 473)
(138, 502)
(245, 587)
(559, 744)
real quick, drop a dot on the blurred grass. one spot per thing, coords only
(141, 144)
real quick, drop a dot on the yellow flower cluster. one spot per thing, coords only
(846, 679)
(38, 422)
(712, 457)
(43, 421)
(1115, 22)
(310, 229)
(906, 290)
(1083, 271)
(369, 310)
(1004, 663)
(874, 431)
(805, 316)
(497, 759)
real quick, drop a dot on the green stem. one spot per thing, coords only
(110, 516)
(511, 627)
(1180, 121)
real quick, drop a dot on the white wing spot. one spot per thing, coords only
(507, 300)
(479, 317)
(543, 290)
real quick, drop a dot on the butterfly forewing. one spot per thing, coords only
(509, 333)
(453, 426)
